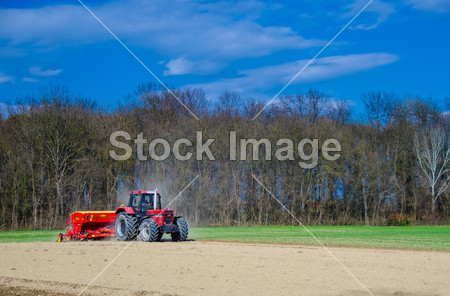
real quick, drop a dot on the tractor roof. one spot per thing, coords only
(144, 192)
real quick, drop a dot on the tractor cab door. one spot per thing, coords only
(147, 202)
(135, 203)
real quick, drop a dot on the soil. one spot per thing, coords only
(216, 268)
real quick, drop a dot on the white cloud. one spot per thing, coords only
(182, 66)
(5, 78)
(27, 79)
(260, 80)
(206, 32)
(39, 72)
(178, 67)
(334, 103)
(379, 10)
(48, 26)
(431, 5)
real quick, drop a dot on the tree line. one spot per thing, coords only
(393, 165)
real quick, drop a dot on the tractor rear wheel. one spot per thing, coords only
(125, 227)
(183, 234)
(148, 231)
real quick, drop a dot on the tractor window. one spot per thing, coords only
(147, 202)
(158, 202)
(134, 202)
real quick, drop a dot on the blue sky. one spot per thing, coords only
(251, 47)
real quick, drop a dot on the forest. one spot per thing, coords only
(393, 167)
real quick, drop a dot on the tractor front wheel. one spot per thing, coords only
(125, 227)
(183, 234)
(148, 231)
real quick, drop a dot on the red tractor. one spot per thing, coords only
(143, 216)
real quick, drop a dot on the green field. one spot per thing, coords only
(29, 236)
(423, 237)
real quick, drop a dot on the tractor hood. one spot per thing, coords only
(160, 212)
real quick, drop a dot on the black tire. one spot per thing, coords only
(125, 227)
(175, 236)
(148, 231)
(160, 234)
(184, 231)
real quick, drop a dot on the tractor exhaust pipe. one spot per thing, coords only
(155, 199)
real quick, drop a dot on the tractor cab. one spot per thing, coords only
(144, 201)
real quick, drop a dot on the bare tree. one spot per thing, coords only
(54, 159)
(378, 106)
(339, 110)
(229, 103)
(309, 106)
(433, 152)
